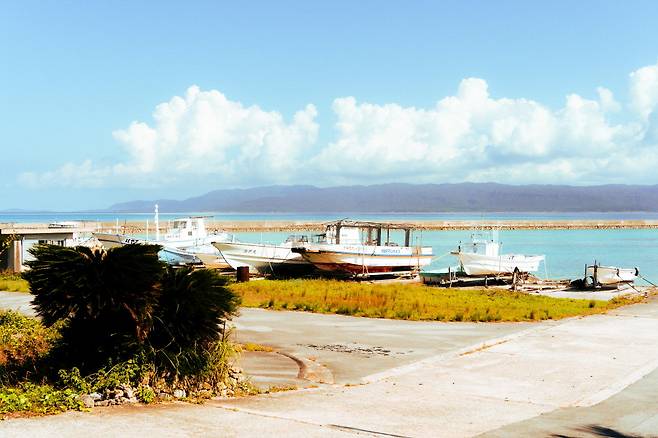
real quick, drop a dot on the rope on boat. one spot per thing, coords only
(440, 257)
(652, 284)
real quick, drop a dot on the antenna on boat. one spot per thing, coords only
(157, 223)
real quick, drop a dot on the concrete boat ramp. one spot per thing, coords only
(593, 376)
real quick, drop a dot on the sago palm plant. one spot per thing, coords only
(188, 317)
(106, 298)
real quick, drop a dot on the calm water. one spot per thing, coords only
(322, 217)
(567, 251)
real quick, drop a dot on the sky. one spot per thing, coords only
(103, 102)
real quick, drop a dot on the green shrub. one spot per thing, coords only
(145, 394)
(105, 297)
(24, 342)
(188, 318)
(40, 399)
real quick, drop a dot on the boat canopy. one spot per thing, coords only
(346, 231)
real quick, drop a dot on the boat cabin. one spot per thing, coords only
(346, 232)
(193, 227)
(482, 243)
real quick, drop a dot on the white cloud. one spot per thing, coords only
(204, 136)
(644, 90)
(201, 134)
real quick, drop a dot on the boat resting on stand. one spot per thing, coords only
(597, 275)
(264, 258)
(482, 257)
(172, 256)
(364, 249)
(187, 240)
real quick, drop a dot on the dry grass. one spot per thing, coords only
(413, 301)
(249, 346)
(12, 282)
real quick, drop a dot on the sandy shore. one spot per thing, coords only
(302, 226)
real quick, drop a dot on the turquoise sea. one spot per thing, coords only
(567, 251)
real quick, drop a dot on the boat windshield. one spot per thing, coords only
(294, 238)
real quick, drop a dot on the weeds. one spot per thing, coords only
(414, 301)
(38, 399)
(12, 282)
(255, 347)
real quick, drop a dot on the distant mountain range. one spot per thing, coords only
(417, 198)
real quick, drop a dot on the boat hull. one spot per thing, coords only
(201, 253)
(172, 256)
(263, 258)
(480, 264)
(612, 275)
(365, 260)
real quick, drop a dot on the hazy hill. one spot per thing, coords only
(464, 197)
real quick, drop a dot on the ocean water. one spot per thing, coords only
(567, 251)
(321, 217)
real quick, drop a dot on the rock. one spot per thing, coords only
(128, 392)
(87, 400)
(132, 400)
(118, 394)
(179, 393)
(95, 396)
(102, 403)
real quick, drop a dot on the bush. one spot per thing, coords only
(188, 318)
(40, 399)
(105, 298)
(24, 342)
(121, 304)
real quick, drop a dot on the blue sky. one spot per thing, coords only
(322, 93)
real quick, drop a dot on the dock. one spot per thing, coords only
(425, 225)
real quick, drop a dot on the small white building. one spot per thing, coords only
(25, 236)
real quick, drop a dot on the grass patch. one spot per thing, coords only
(249, 346)
(13, 282)
(414, 301)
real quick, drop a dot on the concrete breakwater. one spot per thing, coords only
(456, 225)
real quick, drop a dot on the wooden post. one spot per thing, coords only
(338, 234)
(407, 237)
(379, 236)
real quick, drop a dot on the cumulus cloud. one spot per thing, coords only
(203, 134)
(468, 136)
(644, 90)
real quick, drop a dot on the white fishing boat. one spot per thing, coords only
(170, 255)
(364, 249)
(482, 257)
(188, 234)
(263, 258)
(610, 275)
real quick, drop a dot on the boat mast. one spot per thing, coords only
(157, 224)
